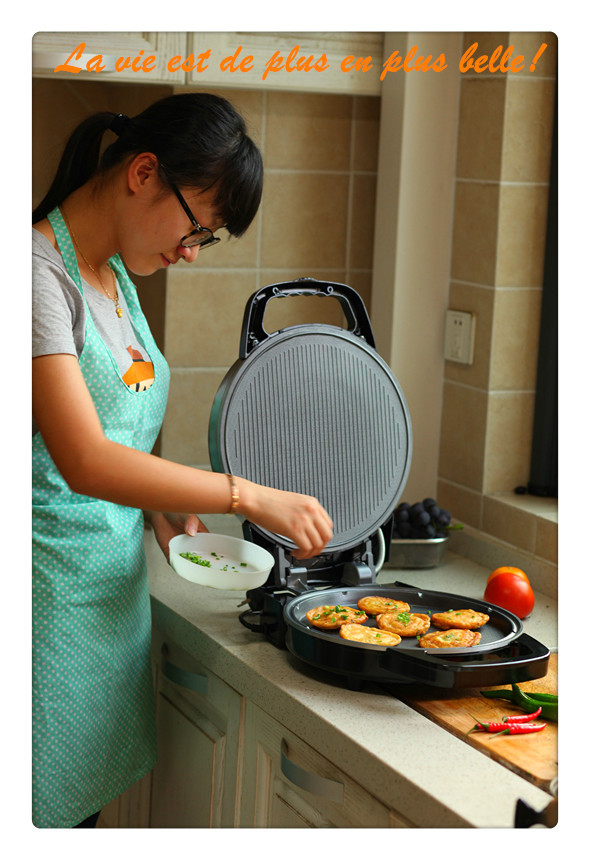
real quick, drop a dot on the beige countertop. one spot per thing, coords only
(386, 742)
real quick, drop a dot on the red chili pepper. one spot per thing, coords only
(507, 728)
(486, 727)
(522, 729)
(522, 718)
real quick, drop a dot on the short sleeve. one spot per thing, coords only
(58, 311)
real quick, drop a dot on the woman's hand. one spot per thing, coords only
(166, 526)
(298, 517)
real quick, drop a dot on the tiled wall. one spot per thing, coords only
(501, 191)
(316, 220)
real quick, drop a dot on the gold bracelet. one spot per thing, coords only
(235, 495)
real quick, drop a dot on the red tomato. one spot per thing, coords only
(506, 569)
(511, 592)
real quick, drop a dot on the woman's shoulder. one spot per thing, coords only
(45, 229)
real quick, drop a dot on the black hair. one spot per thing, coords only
(199, 138)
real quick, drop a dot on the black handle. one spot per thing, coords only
(254, 333)
(523, 660)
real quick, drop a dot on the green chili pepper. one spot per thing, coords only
(529, 702)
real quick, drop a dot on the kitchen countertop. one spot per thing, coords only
(385, 742)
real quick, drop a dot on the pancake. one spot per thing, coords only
(450, 639)
(375, 605)
(332, 617)
(460, 619)
(403, 623)
(370, 635)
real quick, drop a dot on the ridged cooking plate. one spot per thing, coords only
(314, 409)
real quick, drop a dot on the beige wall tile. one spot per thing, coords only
(204, 312)
(366, 133)
(515, 340)
(522, 226)
(481, 128)
(475, 232)
(464, 504)
(234, 252)
(463, 435)
(508, 441)
(528, 132)
(304, 221)
(309, 131)
(362, 226)
(480, 302)
(186, 426)
(516, 527)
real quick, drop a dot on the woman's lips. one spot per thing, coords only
(167, 262)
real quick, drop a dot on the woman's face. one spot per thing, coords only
(159, 222)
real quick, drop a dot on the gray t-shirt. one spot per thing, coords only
(59, 317)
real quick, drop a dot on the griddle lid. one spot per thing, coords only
(314, 409)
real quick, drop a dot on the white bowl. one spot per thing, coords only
(235, 565)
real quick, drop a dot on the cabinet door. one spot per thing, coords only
(348, 63)
(53, 49)
(198, 719)
(287, 783)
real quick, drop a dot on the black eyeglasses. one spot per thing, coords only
(201, 236)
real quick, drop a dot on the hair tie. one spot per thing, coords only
(119, 124)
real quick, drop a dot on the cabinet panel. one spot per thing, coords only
(305, 49)
(52, 49)
(185, 779)
(287, 783)
(198, 718)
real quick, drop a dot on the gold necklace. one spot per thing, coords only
(115, 300)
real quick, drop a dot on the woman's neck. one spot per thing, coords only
(89, 218)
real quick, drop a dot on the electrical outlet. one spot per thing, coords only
(459, 336)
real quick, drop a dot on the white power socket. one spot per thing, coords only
(459, 336)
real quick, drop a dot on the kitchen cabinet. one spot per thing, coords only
(53, 49)
(348, 63)
(198, 721)
(305, 62)
(287, 783)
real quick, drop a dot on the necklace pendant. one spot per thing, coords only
(119, 312)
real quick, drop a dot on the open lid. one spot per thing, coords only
(314, 409)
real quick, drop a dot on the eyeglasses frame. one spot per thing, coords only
(210, 240)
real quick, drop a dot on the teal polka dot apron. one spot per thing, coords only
(93, 709)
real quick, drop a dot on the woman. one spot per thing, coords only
(176, 174)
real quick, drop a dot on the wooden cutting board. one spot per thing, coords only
(533, 757)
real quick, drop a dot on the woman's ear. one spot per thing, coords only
(142, 173)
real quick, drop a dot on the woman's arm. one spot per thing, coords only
(95, 466)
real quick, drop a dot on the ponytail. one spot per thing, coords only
(200, 138)
(78, 162)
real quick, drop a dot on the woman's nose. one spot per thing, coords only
(189, 254)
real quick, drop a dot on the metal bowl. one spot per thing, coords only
(406, 553)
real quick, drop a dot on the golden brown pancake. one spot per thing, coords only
(370, 635)
(376, 605)
(332, 617)
(462, 619)
(404, 623)
(450, 639)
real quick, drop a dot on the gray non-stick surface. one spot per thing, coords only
(315, 410)
(501, 629)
